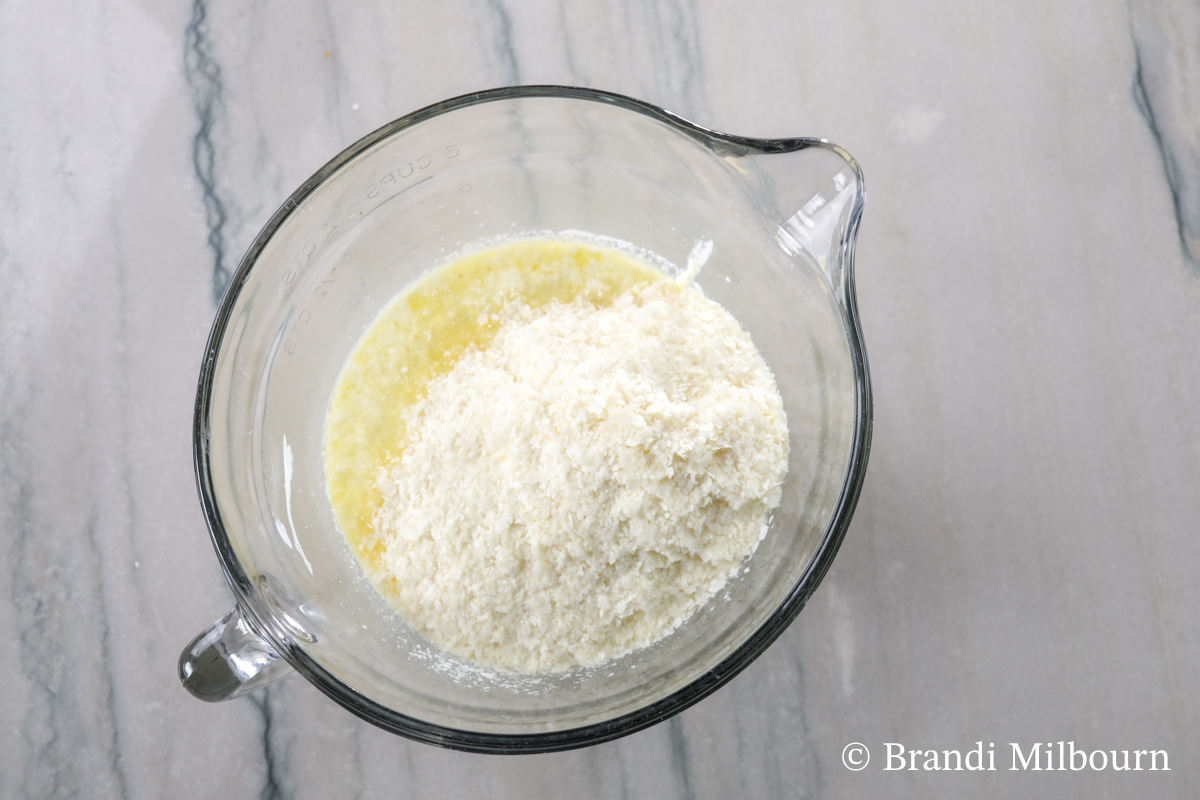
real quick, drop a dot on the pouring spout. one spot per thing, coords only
(813, 190)
(814, 228)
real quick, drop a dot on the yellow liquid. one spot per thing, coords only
(421, 334)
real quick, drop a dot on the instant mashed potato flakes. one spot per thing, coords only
(546, 455)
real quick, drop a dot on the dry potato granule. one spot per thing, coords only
(581, 485)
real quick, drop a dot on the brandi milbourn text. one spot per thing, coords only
(1057, 756)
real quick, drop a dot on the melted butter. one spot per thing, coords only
(421, 334)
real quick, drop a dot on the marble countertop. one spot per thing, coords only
(1023, 564)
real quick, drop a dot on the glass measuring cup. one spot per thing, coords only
(781, 215)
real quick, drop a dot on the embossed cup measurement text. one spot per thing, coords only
(386, 187)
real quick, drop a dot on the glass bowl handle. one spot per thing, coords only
(229, 660)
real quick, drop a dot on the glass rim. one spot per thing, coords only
(543, 742)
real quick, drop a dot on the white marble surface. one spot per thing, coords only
(1023, 564)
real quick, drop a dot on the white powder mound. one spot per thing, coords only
(578, 488)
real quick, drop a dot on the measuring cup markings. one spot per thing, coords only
(319, 292)
(407, 171)
(373, 192)
(302, 319)
(289, 274)
(308, 250)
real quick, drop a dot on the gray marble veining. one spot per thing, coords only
(1022, 566)
(204, 79)
(1166, 35)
